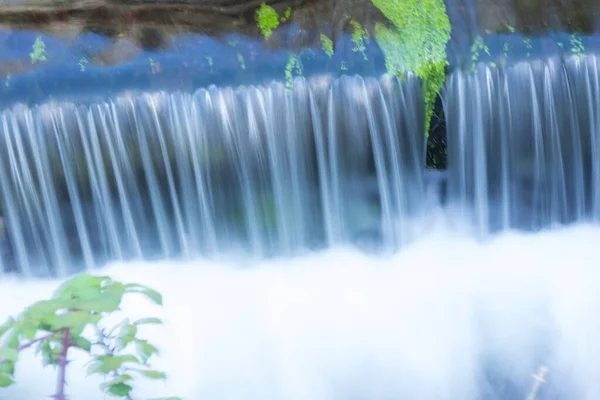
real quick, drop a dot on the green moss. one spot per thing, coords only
(83, 61)
(416, 41)
(293, 66)
(286, 15)
(327, 45)
(577, 47)
(476, 48)
(360, 38)
(39, 51)
(241, 60)
(267, 20)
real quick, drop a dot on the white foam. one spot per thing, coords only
(446, 318)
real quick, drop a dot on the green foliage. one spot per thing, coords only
(83, 61)
(416, 42)
(476, 48)
(360, 38)
(343, 66)
(39, 51)
(241, 60)
(327, 45)
(577, 47)
(294, 65)
(528, 46)
(286, 16)
(73, 319)
(267, 19)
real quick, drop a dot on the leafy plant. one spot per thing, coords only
(416, 42)
(327, 45)
(577, 47)
(73, 320)
(360, 38)
(286, 16)
(39, 51)
(476, 48)
(241, 60)
(267, 20)
(83, 61)
(294, 65)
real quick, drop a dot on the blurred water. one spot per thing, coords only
(474, 324)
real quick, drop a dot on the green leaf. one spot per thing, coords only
(145, 350)
(107, 303)
(118, 379)
(8, 325)
(75, 321)
(120, 389)
(28, 330)
(166, 398)
(7, 367)
(151, 374)
(151, 294)
(6, 380)
(9, 354)
(42, 309)
(108, 363)
(148, 321)
(48, 355)
(126, 336)
(82, 343)
(79, 285)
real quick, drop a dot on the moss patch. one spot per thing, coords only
(267, 19)
(416, 42)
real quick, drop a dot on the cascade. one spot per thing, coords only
(523, 143)
(261, 170)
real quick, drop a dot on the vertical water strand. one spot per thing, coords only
(34, 227)
(506, 128)
(322, 167)
(101, 187)
(226, 106)
(254, 136)
(66, 152)
(575, 180)
(53, 218)
(158, 128)
(336, 207)
(406, 102)
(158, 209)
(269, 108)
(462, 171)
(196, 136)
(558, 196)
(110, 127)
(295, 149)
(480, 154)
(126, 182)
(594, 100)
(539, 198)
(383, 180)
(179, 109)
(10, 209)
(394, 157)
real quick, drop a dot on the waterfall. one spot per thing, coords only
(261, 170)
(523, 143)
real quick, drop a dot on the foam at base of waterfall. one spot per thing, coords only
(447, 318)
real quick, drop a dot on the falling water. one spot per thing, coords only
(263, 170)
(524, 143)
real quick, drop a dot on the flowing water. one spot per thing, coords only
(485, 289)
(263, 170)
